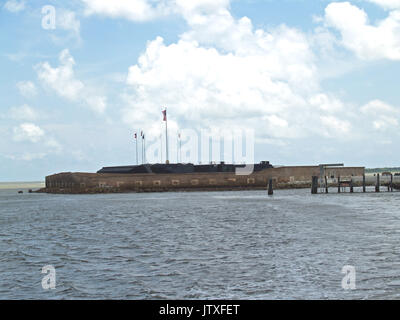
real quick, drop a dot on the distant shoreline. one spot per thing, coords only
(22, 185)
(382, 170)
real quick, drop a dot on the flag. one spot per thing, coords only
(165, 115)
(141, 133)
(135, 135)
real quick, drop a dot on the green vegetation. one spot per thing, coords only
(380, 170)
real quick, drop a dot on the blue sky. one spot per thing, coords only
(316, 80)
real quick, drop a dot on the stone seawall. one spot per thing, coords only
(283, 178)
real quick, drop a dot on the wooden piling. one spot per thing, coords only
(378, 183)
(338, 179)
(364, 185)
(270, 188)
(351, 186)
(391, 182)
(314, 185)
(326, 184)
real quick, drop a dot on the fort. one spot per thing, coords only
(190, 177)
(109, 180)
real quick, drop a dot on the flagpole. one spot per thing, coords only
(141, 136)
(166, 135)
(161, 147)
(144, 148)
(137, 159)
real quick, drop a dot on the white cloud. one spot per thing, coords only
(14, 5)
(368, 41)
(96, 103)
(27, 88)
(24, 113)
(259, 79)
(28, 132)
(225, 73)
(145, 10)
(387, 4)
(382, 115)
(385, 122)
(194, 78)
(53, 144)
(222, 61)
(334, 126)
(326, 103)
(203, 7)
(377, 107)
(41, 142)
(137, 10)
(63, 81)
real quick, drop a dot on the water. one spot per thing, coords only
(231, 245)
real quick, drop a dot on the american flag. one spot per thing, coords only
(165, 115)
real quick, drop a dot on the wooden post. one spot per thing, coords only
(338, 179)
(351, 186)
(270, 188)
(314, 185)
(326, 184)
(378, 183)
(364, 186)
(391, 182)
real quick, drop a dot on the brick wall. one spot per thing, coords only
(95, 183)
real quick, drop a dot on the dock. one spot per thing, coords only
(351, 184)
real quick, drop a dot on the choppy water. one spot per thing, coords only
(233, 245)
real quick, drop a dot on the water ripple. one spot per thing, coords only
(233, 245)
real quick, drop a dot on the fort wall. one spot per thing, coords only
(283, 177)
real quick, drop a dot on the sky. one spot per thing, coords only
(316, 80)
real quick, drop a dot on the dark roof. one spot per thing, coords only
(181, 168)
